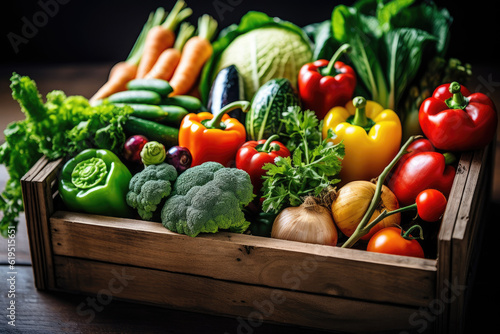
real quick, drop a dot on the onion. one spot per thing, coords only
(352, 201)
(310, 222)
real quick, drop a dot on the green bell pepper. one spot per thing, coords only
(96, 181)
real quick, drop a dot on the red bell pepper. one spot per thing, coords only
(420, 169)
(253, 155)
(455, 120)
(325, 84)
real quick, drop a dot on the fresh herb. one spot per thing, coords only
(314, 165)
(62, 126)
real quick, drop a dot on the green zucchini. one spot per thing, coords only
(135, 96)
(188, 102)
(269, 103)
(167, 135)
(159, 86)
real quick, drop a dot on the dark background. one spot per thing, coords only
(97, 31)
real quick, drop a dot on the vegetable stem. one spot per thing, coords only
(330, 69)
(407, 235)
(449, 158)
(267, 147)
(384, 214)
(186, 31)
(360, 118)
(154, 19)
(362, 227)
(178, 14)
(207, 26)
(458, 100)
(215, 123)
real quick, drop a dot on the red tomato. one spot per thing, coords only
(431, 204)
(389, 240)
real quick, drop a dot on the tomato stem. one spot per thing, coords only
(407, 235)
(362, 228)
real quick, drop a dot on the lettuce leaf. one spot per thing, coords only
(62, 126)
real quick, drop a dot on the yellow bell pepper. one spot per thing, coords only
(371, 136)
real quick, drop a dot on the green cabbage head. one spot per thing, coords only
(262, 48)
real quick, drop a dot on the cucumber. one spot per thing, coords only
(167, 135)
(269, 103)
(135, 96)
(226, 88)
(163, 114)
(174, 114)
(159, 86)
(188, 102)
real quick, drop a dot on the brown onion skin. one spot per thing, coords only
(315, 225)
(352, 201)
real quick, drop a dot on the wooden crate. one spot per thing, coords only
(255, 278)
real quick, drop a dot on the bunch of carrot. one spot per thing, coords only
(124, 71)
(158, 53)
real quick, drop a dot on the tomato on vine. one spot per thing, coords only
(431, 204)
(393, 240)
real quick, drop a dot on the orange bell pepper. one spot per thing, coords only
(213, 138)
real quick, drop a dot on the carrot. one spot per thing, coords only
(122, 72)
(167, 62)
(197, 50)
(161, 37)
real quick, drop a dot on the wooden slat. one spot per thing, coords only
(466, 229)
(251, 304)
(31, 210)
(248, 259)
(37, 195)
(445, 236)
(43, 182)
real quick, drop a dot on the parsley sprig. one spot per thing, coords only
(313, 166)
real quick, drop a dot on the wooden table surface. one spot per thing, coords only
(44, 312)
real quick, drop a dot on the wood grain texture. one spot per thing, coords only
(253, 304)
(43, 312)
(446, 234)
(248, 259)
(466, 232)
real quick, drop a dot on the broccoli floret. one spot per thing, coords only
(207, 198)
(149, 187)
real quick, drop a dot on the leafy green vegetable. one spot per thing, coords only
(62, 126)
(262, 48)
(313, 167)
(207, 198)
(321, 35)
(389, 41)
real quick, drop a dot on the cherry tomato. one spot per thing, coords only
(431, 204)
(390, 240)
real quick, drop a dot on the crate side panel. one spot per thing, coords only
(446, 234)
(253, 304)
(248, 259)
(467, 227)
(32, 216)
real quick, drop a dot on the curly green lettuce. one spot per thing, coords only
(61, 126)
